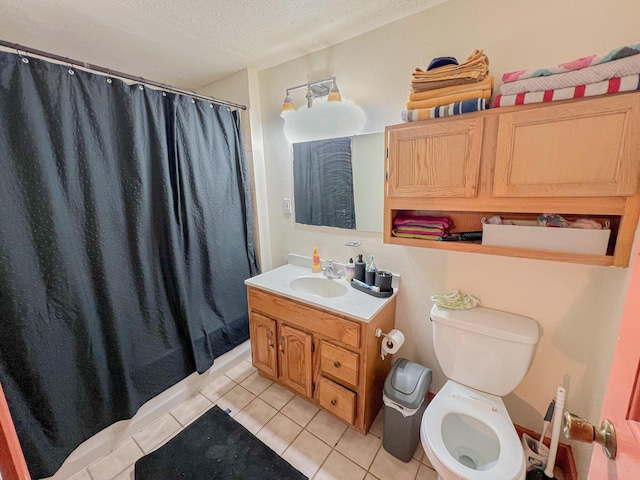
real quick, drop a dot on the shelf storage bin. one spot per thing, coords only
(528, 234)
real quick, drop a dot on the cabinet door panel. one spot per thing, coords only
(574, 149)
(263, 336)
(295, 359)
(435, 160)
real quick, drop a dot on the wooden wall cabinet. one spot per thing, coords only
(445, 159)
(332, 360)
(576, 158)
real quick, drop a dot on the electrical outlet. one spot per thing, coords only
(286, 205)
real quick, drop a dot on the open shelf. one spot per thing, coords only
(464, 221)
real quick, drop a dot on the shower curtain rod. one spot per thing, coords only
(114, 73)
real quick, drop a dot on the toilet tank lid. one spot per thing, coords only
(493, 323)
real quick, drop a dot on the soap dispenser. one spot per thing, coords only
(359, 269)
(315, 267)
(351, 270)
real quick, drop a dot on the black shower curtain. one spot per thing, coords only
(126, 234)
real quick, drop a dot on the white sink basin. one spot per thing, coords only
(319, 286)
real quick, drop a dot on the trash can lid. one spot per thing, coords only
(407, 383)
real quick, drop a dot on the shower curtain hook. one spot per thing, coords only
(109, 79)
(23, 57)
(69, 66)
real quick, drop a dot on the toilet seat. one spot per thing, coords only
(489, 410)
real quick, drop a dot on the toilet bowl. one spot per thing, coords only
(466, 430)
(468, 434)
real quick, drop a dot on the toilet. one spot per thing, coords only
(466, 431)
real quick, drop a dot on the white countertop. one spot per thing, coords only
(354, 303)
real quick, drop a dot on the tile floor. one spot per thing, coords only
(313, 441)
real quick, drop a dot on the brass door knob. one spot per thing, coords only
(336, 364)
(577, 428)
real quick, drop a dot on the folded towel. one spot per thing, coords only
(424, 220)
(476, 67)
(419, 229)
(416, 235)
(466, 106)
(577, 64)
(437, 84)
(585, 76)
(447, 99)
(484, 84)
(614, 85)
(435, 233)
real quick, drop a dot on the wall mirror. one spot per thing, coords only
(339, 182)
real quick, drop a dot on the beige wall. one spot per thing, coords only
(578, 307)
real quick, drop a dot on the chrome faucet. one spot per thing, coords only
(331, 271)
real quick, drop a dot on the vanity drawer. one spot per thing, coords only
(315, 320)
(339, 363)
(337, 400)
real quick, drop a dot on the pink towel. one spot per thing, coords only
(577, 64)
(425, 221)
(617, 68)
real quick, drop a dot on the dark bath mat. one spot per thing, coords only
(215, 447)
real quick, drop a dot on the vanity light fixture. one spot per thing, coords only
(319, 88)
(288, 105)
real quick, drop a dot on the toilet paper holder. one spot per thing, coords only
(379, 333)
(392, 343)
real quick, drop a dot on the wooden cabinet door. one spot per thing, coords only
(295, 359)
(570, 150)
(263, 336)
(435, 159)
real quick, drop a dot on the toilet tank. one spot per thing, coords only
(482, 348)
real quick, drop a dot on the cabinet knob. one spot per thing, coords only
(282, 344)
(337, 364)
(334, 402)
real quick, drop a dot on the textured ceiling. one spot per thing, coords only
(190, 43)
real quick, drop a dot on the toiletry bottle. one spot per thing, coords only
(359, 266)
(351, 270)
(315, 268)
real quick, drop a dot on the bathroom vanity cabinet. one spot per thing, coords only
(576, 158)
(332, 360)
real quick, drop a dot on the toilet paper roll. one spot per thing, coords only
(392, 342)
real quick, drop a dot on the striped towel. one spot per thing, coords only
(614, 85)
(577, 64)
(585, 76)
(466, 106)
